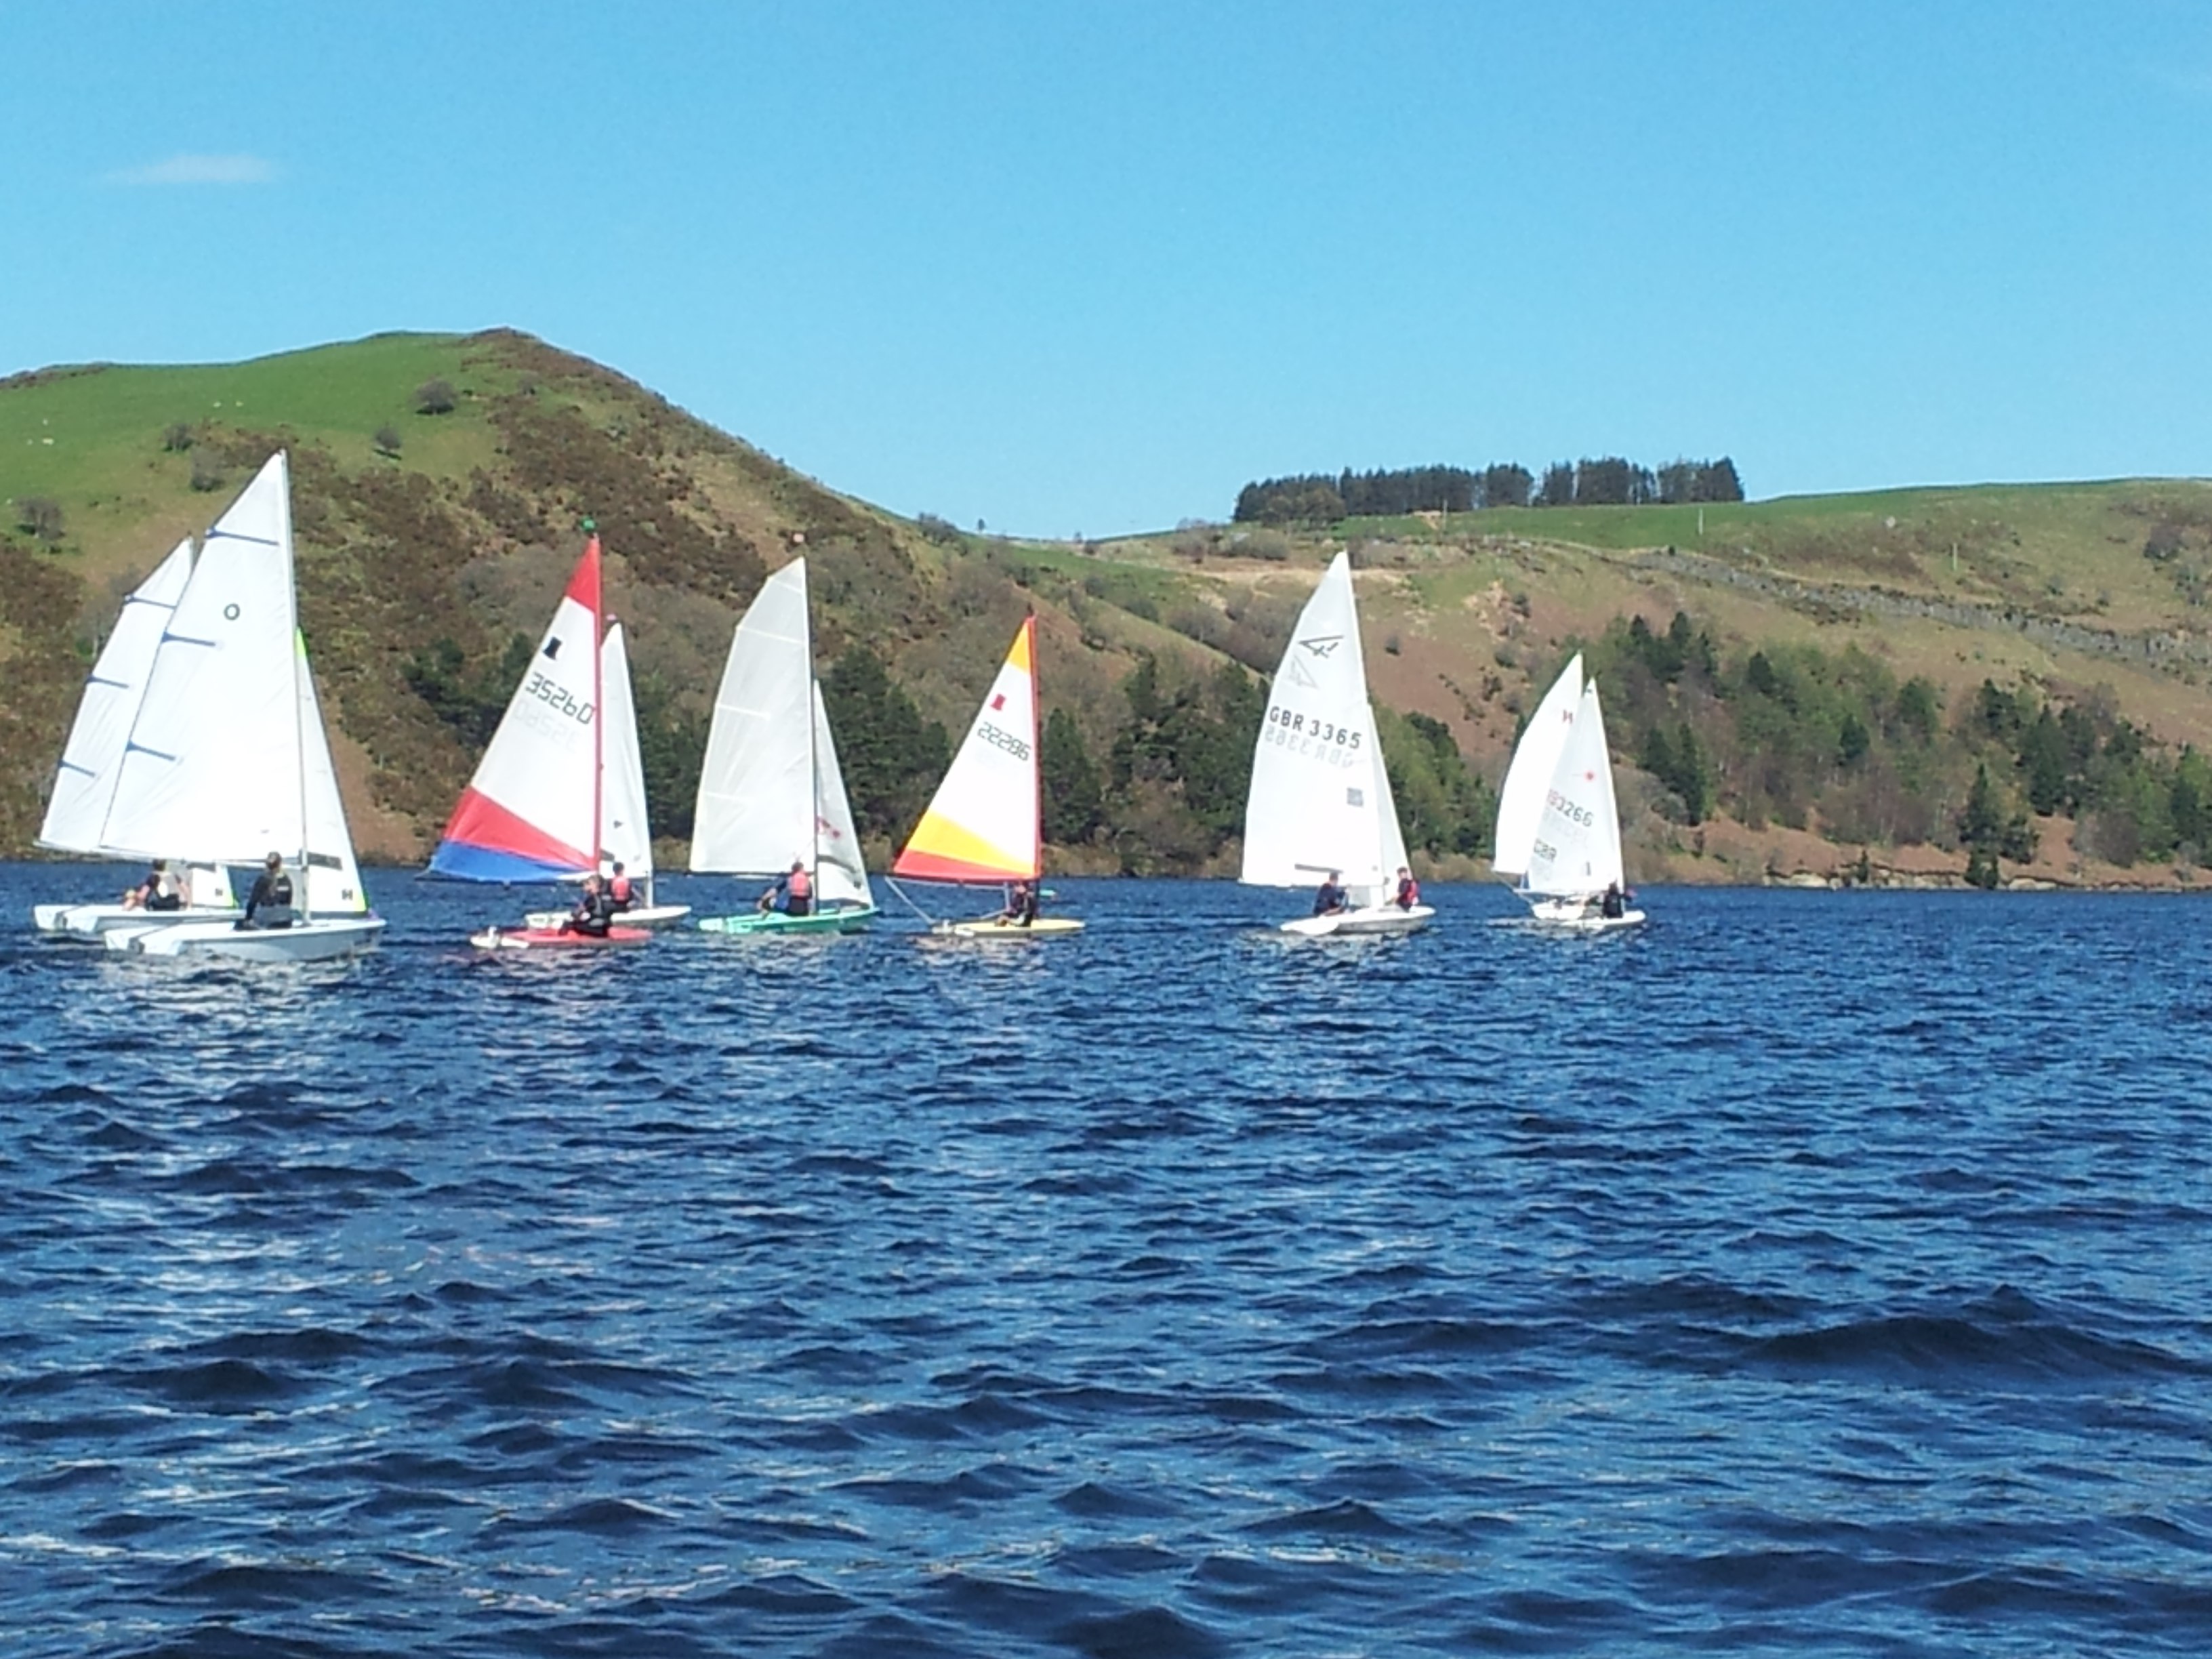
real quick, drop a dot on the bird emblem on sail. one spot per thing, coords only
(1321, 645)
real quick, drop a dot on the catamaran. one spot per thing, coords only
(985, 822)
(1320, 803)
(92, 760)
(228, 759)
(1557, 833)
(771, 797)
(537, 808)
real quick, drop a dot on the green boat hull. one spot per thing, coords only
(850, 919)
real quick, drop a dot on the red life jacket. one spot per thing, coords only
(620, 890)
(1409, 893)
(801, 885)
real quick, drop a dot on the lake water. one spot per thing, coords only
(1807, 1272)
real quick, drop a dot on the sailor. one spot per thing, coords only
(593, 914)
(270, 903)
(1022, 905)
(1330, 899)
(1409, 890)
(159, 891)
(1613, 903)
(794, 892)
(618, 890)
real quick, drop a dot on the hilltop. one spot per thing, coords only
(430, 540)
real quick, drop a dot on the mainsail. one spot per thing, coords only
(532, 811)
(1320, 799)
(91, 760)
(770, 792)
(1576, 852)
(1529, 776)
(982, 825)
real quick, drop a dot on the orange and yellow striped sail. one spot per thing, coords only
(982, 824)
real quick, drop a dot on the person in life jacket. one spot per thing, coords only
(270, 903)
(1409, 890)
(618, 890)
(1023, 902)
(1329, 900)
(159, 891)
(1614, 902)
(794, 892)
(594, 912)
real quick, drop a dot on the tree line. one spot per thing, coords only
(1317, 498)
(1834, 742)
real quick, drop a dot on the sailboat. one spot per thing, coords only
(771, 796)
(625, 832)
(1319, 801)
(535, 810)
(92, 760)
(985, 822)
(1559, 826)
(228, 758)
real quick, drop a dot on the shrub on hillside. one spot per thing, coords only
(387, 441)
(176, 438)
(436, 397)
(207, 468)
(40, 516)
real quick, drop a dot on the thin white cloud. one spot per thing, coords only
(199, 170)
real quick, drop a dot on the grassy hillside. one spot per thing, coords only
(419, 565)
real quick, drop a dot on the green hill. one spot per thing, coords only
(430, 541)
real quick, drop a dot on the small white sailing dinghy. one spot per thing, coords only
(228, 758)
(1319, 801)
(92, 760)
(771, 795)
(985, 822)
(625, 832)
(1558, 830)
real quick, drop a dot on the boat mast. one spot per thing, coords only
(598, 698)
(813, 750)
(1036, 746)
(305, 894)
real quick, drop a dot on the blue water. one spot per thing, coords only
(1806, 1274)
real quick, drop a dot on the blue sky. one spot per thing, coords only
(1090, 268)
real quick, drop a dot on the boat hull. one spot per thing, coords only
(652, 917)
(1576, 916)
(851, 918)
(555, 939)
(83, 924)
(1368, 919)
(319, 939)
(991, 928)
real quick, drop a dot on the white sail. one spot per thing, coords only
(1529, 777)
(1319, 800)
(212, 771)
(1576, 852)
(841, 876)
(93, 758)
(756, 804)
(625, 833)
(334, 886)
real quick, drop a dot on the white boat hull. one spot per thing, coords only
(319, 939)
(1368, 919)
(653, 916)
(1580, 916)
(85, 923)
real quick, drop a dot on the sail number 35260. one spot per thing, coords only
(556, 696)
